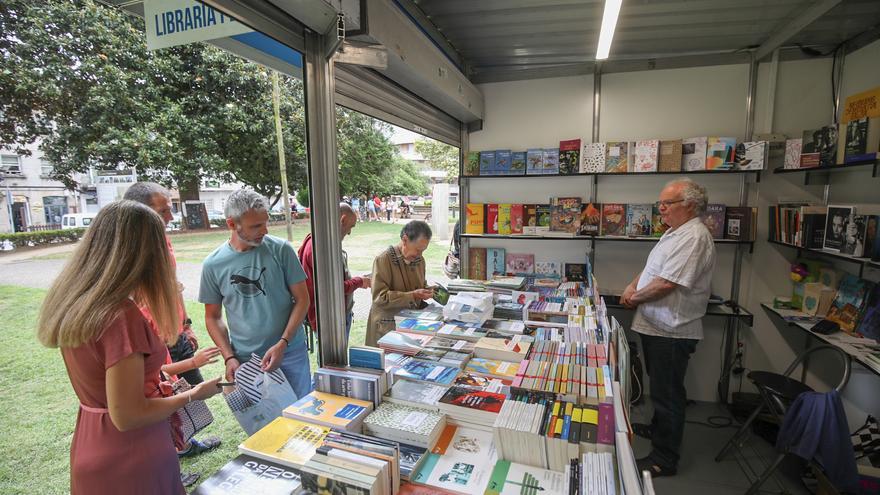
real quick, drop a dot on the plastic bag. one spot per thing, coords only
(258, 397)
(469, 307)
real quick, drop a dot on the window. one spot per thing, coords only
(46, 167)
(9, 164)
(86, 221)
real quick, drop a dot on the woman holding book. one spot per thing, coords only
(399, 279)
(122, 441)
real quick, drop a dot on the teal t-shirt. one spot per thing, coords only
(253, 287)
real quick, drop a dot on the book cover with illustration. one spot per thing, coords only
(548, 268)
(658, 228)
(487, 162)
(593, 158)
(613, 219)
(289, 442)
(617, 157)
(576, 272)
(504, 219)
(591, 219)
(329, 410)
(468, 398)
(477, 263)
(509, 478)
(569, 156)
(551, 161)
(495, 262)
(246, 474)
(852, 295)
(472, 165)
(530, 219)
(740, 223)
(542, 213)
(516, 218)
(415, 325)
(645, 155)
(752, 155)
(565, 215)
(670, 156)
(427, 372)
(534, 161)
(520, 263)
(693, 154)
(720, 153)
(493, 367)
(713, 218)
(492, 218)
(638, 220)
(869, 324)
(502, 162)
(811, 145)
(475, 219)
(518, 163)
(862, 141)
(461, 461)
(792, 153)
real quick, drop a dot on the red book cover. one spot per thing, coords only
(473, 399)
(613, 219)
(492, 218)
(516, 219)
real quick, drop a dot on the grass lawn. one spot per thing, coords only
(37, 425)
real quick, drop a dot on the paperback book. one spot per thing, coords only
(613, 219)
(565, 215)
(720, 153)
(502, 162)
(658, 228)
(670, 156)
(246, 474)
(569, 156)
(491, 218)
(535, 161)
(530, 219)
(617, 157)
(492, 367)
(472, 166)
(332, 411)
(645, 156)
(512, 478)
(693, 154)
(461, 461)
(495, 262)
(752, 155)
(504, 219)
(410, 425)
(516, 218)
(543, 215)
(551, 161)
(427, 372)
(638, 220)
(593, 158)
(285, 441)
(475, 218)
(415, 394)
(487, 162)
(518, 163)
(852, 295)
(713, 219)
(548, 268)
(590, 219)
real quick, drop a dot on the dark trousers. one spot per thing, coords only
(666, 360)
(183, 350)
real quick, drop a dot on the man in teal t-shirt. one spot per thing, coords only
(258, 279)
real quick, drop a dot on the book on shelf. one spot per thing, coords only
(792, 153)
(854, 239)
(286, 441)
(810, 146)
(410, 425)
(427, 372)
(613, 219)
(246, 474)
(510, 477)
(828, 146)
(593, 161)
(835, 228)
(864, 104)
(693, 154)
(477, 263)
(565, 215)
(638, 220)
(575, 272)
(492, 368)
(472, 165)
(645, 156)
(569, 156)
(616, 157)
(332, 411)
(512, 349)
(461, 462)
(534, 161)
(720, 153)
(872, 238)
(551, 161)
(487, 162)
(869, 323)
(516, 218)
(366, 357)
(520, 263)
(492, 218)
(495, 262)
(349, 384)
(752, 155)
(590, 219)
(798, 224)
(741, 223)
(502, 162)
(504, 219)
(861, 141)
(518, 163)
(713, 218)
(852, 295)
(669, 155)
(476, 213)
(415, 394)
(542, 219)
(658, 228)
(548, 268)
(530, 219)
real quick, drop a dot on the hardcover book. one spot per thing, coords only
(670, 155)
(576, 272)
(713, 219)
(286, 441)
(504, 219)
(495, 263)
(534, 161)
(492, 218)
(590, 219)
(693, 154)
(530, 218)
(551, 161)
(811, 144)
(645, 156)
(516, 218)
(613, 219)
(502, 162)
(638, 220)
(565, 215)
(477, 263)
(593, 158)
(752, 155)
(849, 302)
(720, 153)
(569, 156)
(246, 474)
(472, 166)
(475, 218)
(487, 162)
(792, 153)
(520, 263)
(543, 213)
(332, 411)
(518, 163)
(617, 157)
(657, 225)
(740, 223)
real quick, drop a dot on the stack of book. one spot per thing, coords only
(415, 394)
(461, 461)
(350, 463)
(403, 343)
(246, 474)
(513, 349)
(332, 411)
(471, 405)
(361, 383)
(508, 310)
(442, 357)
(285, 441)
(427, 372)
(410, 425)
(492, 368)
(366, 357)
(574, 369)
(449, 330)
(510, 477)
(431, 312)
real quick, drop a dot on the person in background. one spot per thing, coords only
(371, 210)
(378, 203)
(260, 282)
(389, 208)
(347, 220)
(113, 355)
(399, 279)
(670, 297)
(356, 207)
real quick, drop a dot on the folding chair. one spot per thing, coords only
(777, 393)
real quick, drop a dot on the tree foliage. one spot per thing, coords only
(439, 156)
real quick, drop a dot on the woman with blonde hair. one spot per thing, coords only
(122, 442)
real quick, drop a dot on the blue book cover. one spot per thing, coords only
(427, 372)
(518, 163)
(363, 357)
(535, 161)
(487, 162)
(551, 161)
(419, 326)
(502, 162)
(495, 261)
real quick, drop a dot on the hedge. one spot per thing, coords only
(30, 239)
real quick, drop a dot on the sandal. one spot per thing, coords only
(196, 447)
(657, 471)
(189, 479)
(643, 430)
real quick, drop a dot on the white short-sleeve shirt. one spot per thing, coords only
(686, 257)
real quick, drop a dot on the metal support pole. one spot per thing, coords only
(324, 187)
(594, 180)
(464, 197)
(282, 164)
(839, 78)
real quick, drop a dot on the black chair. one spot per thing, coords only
(777, 393)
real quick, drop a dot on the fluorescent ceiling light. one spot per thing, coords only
(609, 22)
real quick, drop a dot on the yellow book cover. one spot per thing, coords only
(286, 441)
(504, 219)
(328, 409)
(475, 217)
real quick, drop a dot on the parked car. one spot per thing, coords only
(76, 220)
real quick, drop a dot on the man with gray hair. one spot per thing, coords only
(260, 282)
(670, 297)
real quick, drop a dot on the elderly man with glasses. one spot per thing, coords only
(670, 296)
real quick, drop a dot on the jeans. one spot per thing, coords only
(295, 366)
(183, 350)
(666, 360)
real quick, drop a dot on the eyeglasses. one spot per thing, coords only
(667, 202)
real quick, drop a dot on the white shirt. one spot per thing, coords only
(686, 257)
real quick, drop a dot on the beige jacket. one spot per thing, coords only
(393, 280)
